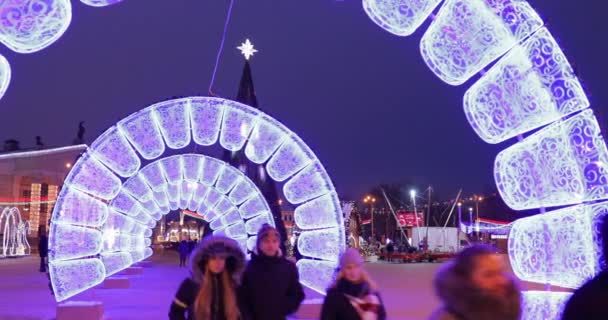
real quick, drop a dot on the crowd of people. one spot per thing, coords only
(474, 285)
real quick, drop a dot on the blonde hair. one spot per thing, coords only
(365, 278)
(202, 304)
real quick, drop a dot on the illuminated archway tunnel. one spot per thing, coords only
(103, 215)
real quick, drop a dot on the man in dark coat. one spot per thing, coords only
(270, 287)
(588, 301)
(43, 247)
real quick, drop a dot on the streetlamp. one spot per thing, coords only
(371, 200)
(471, 214)
(477, 200)
(459, 222)
(413, 196)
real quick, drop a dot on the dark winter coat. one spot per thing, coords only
(464, 301)
(43, 246)
(270, 288)
(588, 302)
(183, 304)
(183, 248)
(337, 305)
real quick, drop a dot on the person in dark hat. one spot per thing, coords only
(353, 295)
(210, 293)
(270, 287)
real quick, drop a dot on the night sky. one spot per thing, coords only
(361, 98)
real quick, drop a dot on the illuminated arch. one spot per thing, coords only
(531, 86)
(5, 75)
(109, 202)
(14, 233)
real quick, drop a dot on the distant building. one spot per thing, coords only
(31, 181)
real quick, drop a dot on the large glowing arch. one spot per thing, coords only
(102, 219)
(530, 85)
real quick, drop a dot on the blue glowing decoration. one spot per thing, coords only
(70, 242)
(533, 85)
(193, 166)
(265, 139)
(237, 124)
(141, 129)
(206, 117)
(99, 215)
(557, 247)
(5, 75)
(467, 35)
(321, 244)
(318, 213)
(91, 272)
(399, 17)
(173, 167)
(562, 164)
(290, 158)
(174, 122)
(155, 176)
(90, 176)
(115, 262)
(543, 305)
(114, 151)
(75, 207)
(138, 188)
(211, 171)
(100, 3)
(316, 274)
(31, 25)
(309, 183)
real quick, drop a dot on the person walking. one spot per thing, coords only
(588, 301)
(270, 287)
(210, 292)
(476, 286)
(353, 295)
(43, 247)
(183, 249)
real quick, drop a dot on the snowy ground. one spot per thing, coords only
(406, 290)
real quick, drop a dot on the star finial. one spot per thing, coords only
(247, 49)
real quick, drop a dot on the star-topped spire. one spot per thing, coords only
(247, 49)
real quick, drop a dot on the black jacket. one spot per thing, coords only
(270, 288)
(186, 296)
(43, 246)
(337, 306)
(588, 302)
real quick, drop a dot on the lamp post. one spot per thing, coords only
(477, 200)
(413, 196)
(458, 226)
(371, 200)
(471, 214)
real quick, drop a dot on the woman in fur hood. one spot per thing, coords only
(210, 292)
(475, 286)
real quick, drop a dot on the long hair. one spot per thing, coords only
(202, 304)
(365, 278)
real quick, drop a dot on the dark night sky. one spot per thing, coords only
(361, 98)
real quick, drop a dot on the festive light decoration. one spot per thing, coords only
(316, 274)
(533, 85)
(100, 3)
(14, 233)
(557, 247)
(543, 305)
(90, 272)
(32, 25)
(467, 35)
(223, 194)
(247, 49)
(400, 17)
(114, 151)
(562, 164)
(5, 75)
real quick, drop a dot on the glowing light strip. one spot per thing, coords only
(40, 153)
